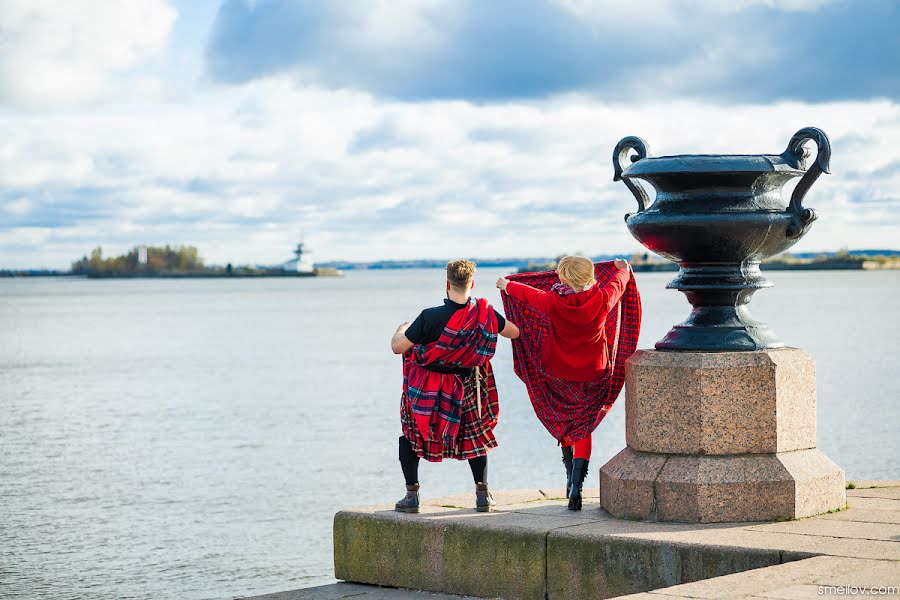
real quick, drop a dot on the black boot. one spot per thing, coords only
(410, 502)
(567, 461)
(484, 502)
(579, 472)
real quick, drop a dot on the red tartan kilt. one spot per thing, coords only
(476, 435)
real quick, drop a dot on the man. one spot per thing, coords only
(449, 405)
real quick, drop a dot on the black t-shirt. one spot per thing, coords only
(430, 323)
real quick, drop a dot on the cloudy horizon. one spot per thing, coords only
(426, 128)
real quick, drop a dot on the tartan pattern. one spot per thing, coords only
(435, 400)
(476, 432)
(572, 410)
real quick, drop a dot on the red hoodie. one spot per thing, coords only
(575, 349)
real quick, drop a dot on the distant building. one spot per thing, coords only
(302, 261)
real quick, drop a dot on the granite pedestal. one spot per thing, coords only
(720, 436)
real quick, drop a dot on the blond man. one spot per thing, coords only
(449, 405)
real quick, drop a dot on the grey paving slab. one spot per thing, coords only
(865, 515)
(505, 498)
(807, 578)
(875, 492)
(804, 591)
(654, 596)
(798, 545)
(858, 530)
(870, 574)
(777, 577)
(558, 506)
(339, 591)
(874, 483)
(873, 503)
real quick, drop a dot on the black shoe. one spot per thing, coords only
(579, 472)
(484, 502)
(410, 502)
(567, 461)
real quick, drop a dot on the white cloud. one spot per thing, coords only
(61, 53)
(242, 171)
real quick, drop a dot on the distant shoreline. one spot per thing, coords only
(637, 268)
(846, 260)
(211, 275)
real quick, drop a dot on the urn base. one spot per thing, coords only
(720, 436)
(717, 489)
(730, 334)
(720, 320)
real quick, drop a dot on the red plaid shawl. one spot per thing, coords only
(572, 410)
(436, 399)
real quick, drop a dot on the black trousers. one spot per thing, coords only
(409, 462)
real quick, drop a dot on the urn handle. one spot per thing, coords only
(623, 148)
(802, 218)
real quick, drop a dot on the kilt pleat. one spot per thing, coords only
(475, 436)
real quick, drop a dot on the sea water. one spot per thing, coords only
(193, 438)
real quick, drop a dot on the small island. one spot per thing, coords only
(842, 260)
(185, 261)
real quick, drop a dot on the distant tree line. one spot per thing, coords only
(158, 260)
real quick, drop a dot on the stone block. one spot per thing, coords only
(587, 562)
(720, 403)
(819, 484)
(502, 560)
(626, 484)
(712, 489)
(446, 550)
(715, 489)
(384, 551)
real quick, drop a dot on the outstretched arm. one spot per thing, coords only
(527, 294)
(614, 289)
(399, 342)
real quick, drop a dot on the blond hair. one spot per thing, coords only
(460, 274)
(577, 272)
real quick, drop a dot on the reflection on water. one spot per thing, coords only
(192, 439)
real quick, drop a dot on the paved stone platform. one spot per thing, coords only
(533, 547)
(817, 577)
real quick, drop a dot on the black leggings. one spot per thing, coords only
(409, 462)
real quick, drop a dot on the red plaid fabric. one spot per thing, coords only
(572, 410)
(440, 411)
(476, 432)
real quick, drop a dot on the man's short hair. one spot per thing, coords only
(460, 273)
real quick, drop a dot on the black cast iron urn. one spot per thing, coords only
(718, 216)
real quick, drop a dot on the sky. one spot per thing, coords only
(398, 129)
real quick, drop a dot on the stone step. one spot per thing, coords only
(533, 547)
